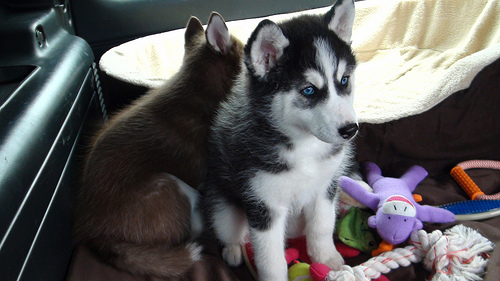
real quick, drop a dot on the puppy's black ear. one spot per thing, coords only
(340, 19)
(217, 34)
(265, 47)
(193, 28)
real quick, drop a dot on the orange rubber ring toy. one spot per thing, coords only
(468, 185)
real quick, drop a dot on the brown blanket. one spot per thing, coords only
(465, 126)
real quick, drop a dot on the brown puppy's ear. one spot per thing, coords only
(217, 34)
(193, 28)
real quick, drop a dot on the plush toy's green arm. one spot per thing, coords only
(359, 193)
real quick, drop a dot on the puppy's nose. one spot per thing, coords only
(349, 130)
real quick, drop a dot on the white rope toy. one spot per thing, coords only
(452, 256)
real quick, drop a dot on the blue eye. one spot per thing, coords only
(344, 80)
(308, 91)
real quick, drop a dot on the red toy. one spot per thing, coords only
(296, 252)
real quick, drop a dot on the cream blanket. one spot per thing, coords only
(412, 53)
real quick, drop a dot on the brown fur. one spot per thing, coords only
(130, 212)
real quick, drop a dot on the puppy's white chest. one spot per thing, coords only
(311, 171)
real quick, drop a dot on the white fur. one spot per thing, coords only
(311, 173)
(315, 78)
(327, 124)
(231, 227)
(294, 197)
(341, 69)
(193, 196)
(268, 248)
(195, 250)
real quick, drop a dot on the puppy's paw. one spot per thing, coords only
(232, 255)
(335, 261)
(325, 253)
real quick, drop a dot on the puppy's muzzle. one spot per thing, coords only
(349, 131)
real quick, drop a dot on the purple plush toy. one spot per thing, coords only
(397, 213)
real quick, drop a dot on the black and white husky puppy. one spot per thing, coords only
(281, 141)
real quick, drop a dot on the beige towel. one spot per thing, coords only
(412, 53)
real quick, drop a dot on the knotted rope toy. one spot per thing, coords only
(456, 254)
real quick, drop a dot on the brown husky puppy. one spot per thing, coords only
(134, 207)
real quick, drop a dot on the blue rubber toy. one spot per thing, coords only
(473, 209)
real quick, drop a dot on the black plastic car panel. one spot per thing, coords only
(47, 98)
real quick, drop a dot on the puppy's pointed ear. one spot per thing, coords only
(193, 28)
(265, 47)
(340, 19)
(217, 34)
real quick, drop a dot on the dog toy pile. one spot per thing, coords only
(456, 254)
(460, 253)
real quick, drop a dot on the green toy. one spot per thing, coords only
(299, 272)
(353, 230)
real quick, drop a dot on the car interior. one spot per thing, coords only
(54, 94)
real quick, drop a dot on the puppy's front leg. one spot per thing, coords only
(320, 223)
(269, 245)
